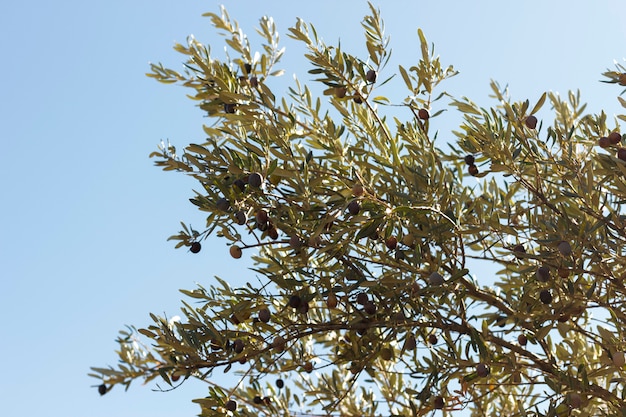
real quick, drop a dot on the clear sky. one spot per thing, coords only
(84, 216)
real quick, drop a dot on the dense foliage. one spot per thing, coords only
(371, 238)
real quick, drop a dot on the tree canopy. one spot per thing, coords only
(370, 234)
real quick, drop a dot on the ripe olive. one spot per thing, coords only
(278, 343)
(522, 339)
(241, 217)
(391, 242)
(543, 273)
(255, 180)
(482, 370)
(230, 108)
(272, 232)
(354, 207)
(238, 346)
(399, 316)
(264, 315)
(235, 251)
(195, 247)
(369, 307)
(531, 122)
(240, 184)
(519, 250)
(223, 204)
(261, 217)
(304, 308)
(545, 296)
(362, 298)
(604, 142)
(565, 248)
(438, 402)
(410, 343)
(371, 76)
(295, 301)
(231, 405)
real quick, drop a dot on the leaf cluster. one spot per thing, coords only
(371, 236)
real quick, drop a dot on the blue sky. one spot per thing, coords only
(85, 216)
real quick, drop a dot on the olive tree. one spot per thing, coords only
(369, 237)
